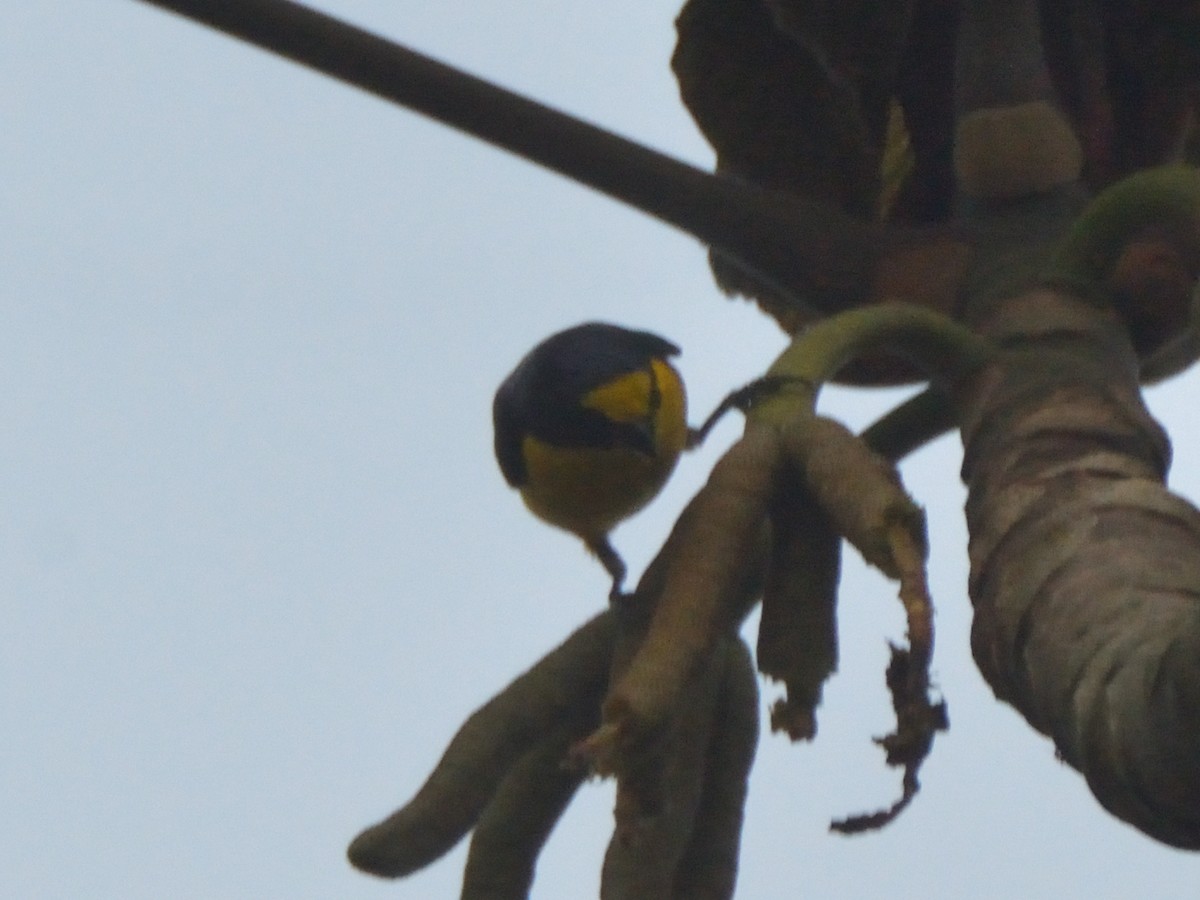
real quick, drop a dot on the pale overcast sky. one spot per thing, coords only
(257, 562)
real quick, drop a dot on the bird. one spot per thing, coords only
(589, 427)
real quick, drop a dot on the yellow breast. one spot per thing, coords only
(588, 490)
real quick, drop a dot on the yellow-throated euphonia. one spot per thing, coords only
(588, 428)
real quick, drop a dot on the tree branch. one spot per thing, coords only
(1085, 569)
(820, 257)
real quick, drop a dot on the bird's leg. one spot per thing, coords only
(741, 399)
(612, 562)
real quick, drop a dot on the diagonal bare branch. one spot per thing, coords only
(817, 255)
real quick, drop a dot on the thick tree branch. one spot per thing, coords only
(1085, 569)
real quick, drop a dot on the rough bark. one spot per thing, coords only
(1085, 569)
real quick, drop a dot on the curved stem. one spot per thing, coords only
(1136, 249)
(1164, 199)
(939, 345)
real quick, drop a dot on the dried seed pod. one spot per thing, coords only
(516, 822)
(708, 869)
(483, 751)
(862, 495)
(797, 633)
(703, 587)
(857, 488)
(659, 792)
